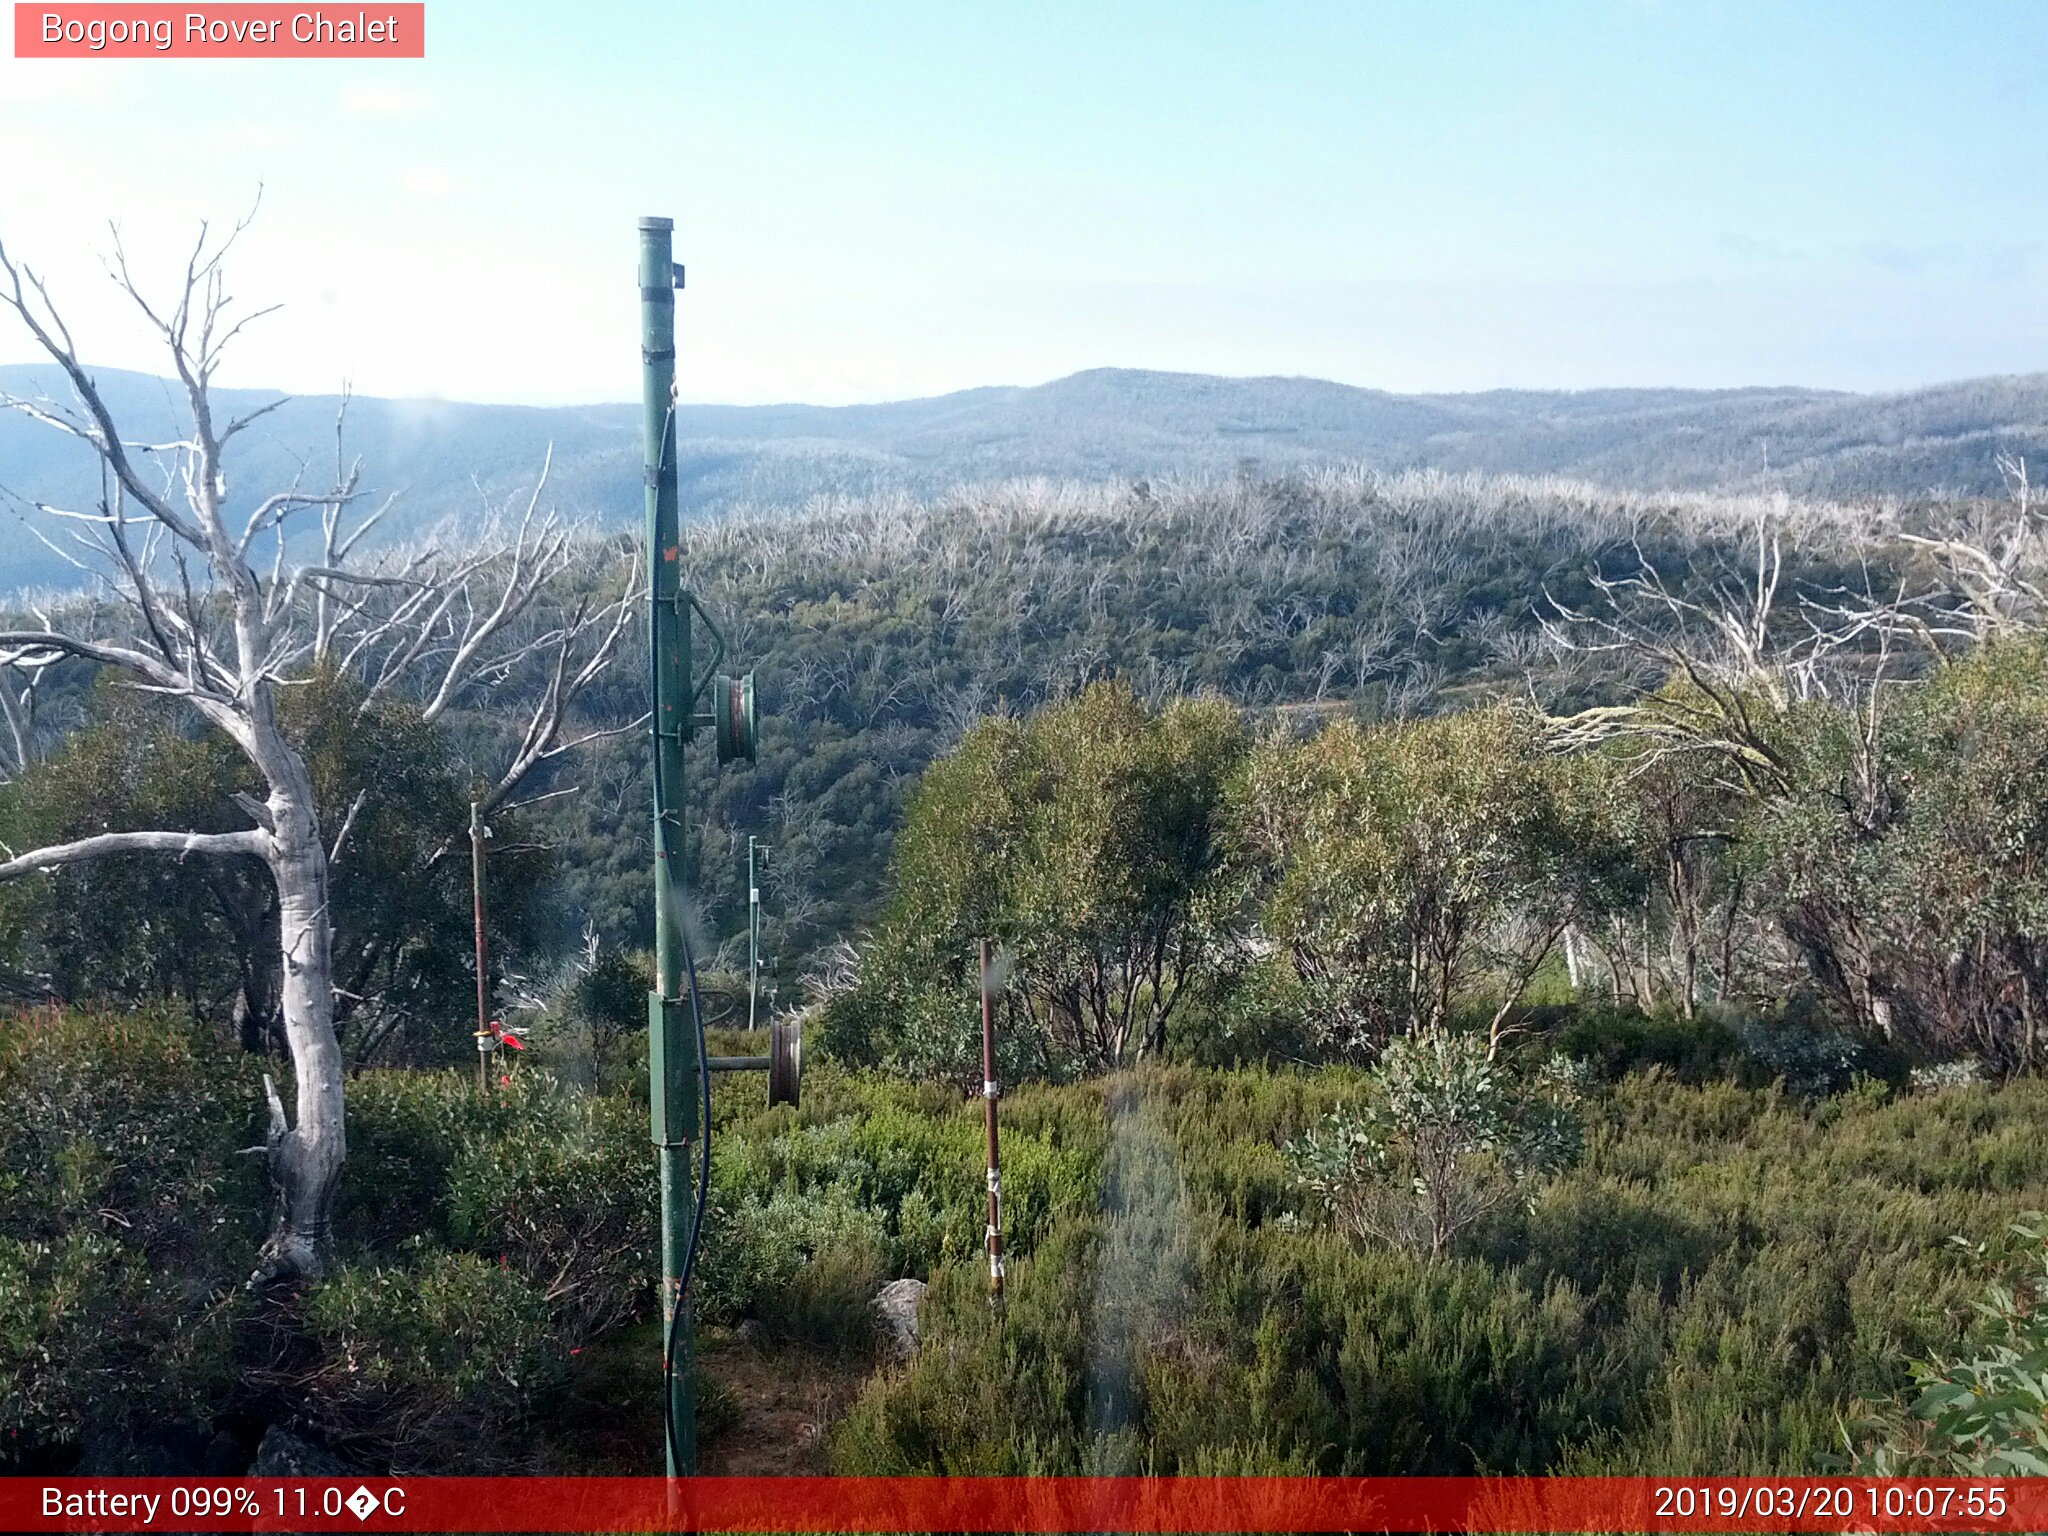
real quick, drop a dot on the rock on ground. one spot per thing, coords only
(898, 1303)
(283, 1454)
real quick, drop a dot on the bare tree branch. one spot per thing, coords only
(183, 844)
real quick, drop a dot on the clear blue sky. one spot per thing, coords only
(878, 200)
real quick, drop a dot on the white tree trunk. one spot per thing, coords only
(305, 1158)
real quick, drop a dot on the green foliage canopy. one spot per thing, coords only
(1400, 868)
(203, 933)
(1085, 843)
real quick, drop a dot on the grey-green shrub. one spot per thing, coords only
(1982, 1410)
(1448, 1133)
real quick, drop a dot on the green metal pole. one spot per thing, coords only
(671, 1056)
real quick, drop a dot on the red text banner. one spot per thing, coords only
(1137, 1504)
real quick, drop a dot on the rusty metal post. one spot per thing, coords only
(991, 1091)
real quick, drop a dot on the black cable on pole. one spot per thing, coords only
(675, 1321)
(689, 1266)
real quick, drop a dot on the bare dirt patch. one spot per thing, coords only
(777, 1402)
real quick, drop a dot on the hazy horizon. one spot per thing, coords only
(914, 199)
(623, 401)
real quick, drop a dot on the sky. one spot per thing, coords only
(878, 200)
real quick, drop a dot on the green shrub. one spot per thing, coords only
(482, 1235)
(98, 1346)
(1982, 1411)
(442, 1364)
(790, 1258)
(891, 1172)
(828, 1302)
(986, 1395)
(1808, 1053)
(1269, 1353)
(494, 1234)
(406, 1131)
(1263, 1016)
(140, 1115)
(558, 1182)
(1723, 1270)
(1799, 1044)
(1448, 1135)
(1616, 1041)
(126, 1219)
(567, 1195)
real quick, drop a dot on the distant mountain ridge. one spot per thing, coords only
(1105, 423)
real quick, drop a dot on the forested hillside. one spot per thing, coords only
(881, 630)
(448, 460)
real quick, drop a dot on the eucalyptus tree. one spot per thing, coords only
(1402, 872)
(198, 598)
(1086, 841)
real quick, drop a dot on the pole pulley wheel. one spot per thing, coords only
(736, 724)
(785, 1062)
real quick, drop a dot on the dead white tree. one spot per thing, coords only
(1732, 660)
(1730, 664)
(208, 608)
(20, 741)
(1991, 564)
